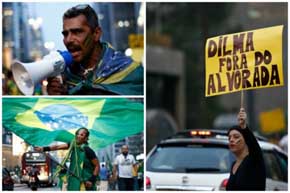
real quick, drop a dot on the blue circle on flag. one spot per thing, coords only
(62, 117)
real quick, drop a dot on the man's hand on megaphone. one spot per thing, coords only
(55, 87)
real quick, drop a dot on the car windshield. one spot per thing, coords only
(190, 159)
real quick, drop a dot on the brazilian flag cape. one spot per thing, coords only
(115, 73)
(40, 121)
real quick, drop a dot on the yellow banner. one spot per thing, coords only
(243, 61)
(272, 121)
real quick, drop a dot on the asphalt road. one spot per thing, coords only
(24, 187)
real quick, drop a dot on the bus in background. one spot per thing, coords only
(45, 163)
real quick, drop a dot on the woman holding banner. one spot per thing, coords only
(248, 171)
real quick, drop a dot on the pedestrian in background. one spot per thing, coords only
(283, 143)
(135, 177)
(123, 167)
(104, 175)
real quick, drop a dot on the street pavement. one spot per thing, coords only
(24, 187)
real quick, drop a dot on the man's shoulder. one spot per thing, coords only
(119, 156)
(131, 156)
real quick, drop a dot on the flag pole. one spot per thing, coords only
(242, 98)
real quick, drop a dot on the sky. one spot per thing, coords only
(51, 14)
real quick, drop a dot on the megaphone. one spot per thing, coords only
(27, 75)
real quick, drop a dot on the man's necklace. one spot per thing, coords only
(85, 71)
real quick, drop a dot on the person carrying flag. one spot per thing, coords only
(84, 166)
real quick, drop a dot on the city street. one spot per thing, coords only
(24, 187)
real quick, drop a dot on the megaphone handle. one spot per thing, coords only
(60, 79)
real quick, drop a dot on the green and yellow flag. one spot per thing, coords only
(40, 121)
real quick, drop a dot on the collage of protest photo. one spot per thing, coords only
(144, 96)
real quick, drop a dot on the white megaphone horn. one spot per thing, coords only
(27, 75)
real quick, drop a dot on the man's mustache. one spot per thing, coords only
(73, 47)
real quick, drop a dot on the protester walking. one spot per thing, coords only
(123, 167)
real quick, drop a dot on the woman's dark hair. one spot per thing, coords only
(83, 128)
(235, 127)
(87, 11)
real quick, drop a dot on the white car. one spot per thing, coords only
(201, 160)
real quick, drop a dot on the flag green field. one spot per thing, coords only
(41, 121)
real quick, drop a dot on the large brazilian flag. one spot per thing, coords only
(41, 121)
